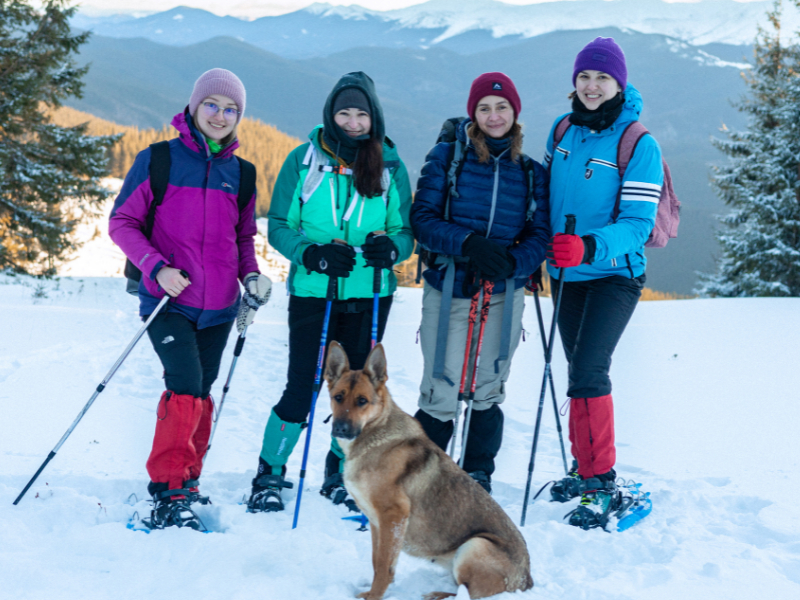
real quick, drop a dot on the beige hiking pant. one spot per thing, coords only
(436, 396)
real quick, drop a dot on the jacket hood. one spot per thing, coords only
(632, 109)
(362, 82)
(194, 140)
(461, 130)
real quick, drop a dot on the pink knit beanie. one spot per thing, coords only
(218, 81)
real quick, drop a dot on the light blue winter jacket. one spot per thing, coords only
(585, 181)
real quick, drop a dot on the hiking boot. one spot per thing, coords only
(174, 511)
(598, 505)
(484, 480)
(266, 493)
(567, 488)
(333, 489)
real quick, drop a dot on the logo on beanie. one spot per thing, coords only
(599, 57)
(497, 86)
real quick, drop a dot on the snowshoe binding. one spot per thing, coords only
(567, 488)
(333, 489)
(173, 508)
(609, 499)
(266, 493)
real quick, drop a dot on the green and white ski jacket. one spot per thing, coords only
(313, 205)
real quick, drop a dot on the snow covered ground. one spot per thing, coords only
(707, 410)
(706, 395)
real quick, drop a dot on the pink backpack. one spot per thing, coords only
(668, 216)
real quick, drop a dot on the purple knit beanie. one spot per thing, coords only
(218, 81)
(603, 54)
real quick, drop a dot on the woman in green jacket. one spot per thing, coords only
(341, 203)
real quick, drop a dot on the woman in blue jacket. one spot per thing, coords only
(602, 264)
(493, 222)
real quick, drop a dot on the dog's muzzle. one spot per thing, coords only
(344, 429)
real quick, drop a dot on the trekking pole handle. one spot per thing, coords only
(376, 280)
(569, 228)
(332, 286)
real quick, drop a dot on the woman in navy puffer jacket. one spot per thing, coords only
(493, 226)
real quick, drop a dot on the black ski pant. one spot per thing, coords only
(350, 325)
(191, 356)
(591, 320)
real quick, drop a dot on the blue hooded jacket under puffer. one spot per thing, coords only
(473, 211)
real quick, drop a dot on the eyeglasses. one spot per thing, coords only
(212, 109)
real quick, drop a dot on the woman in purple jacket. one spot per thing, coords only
(198, 230)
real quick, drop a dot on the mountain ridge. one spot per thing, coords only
(322, 29)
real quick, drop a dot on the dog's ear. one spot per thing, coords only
(375, 366)
(336, 363)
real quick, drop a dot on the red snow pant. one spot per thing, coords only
(191, 359)
(591, 433)
(182, 431)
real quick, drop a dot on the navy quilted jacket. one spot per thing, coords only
(503, 220)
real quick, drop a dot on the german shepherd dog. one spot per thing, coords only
(416, 498)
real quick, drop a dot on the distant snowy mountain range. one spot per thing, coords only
(465, 26)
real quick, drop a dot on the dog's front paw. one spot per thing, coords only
(370, 595)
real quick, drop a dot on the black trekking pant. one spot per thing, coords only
(191, 356)
(350, 325)
(591, 320)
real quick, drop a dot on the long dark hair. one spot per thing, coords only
(368, 168)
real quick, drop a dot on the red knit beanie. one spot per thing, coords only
(493, 84)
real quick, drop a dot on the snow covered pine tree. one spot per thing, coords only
(48, 174)
(760, 238)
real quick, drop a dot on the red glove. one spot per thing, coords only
(565, 250)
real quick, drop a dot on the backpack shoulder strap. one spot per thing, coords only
(560, 130)
(627, 145)
(315, 160)
(160, 163)
(625, 149)
(529, 171)
(247, 183)
(453, 171)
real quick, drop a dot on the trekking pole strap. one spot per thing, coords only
(508, 321)
(443, 325)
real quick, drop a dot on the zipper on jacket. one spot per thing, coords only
(333, 202)
(598, 161)
(495, 187)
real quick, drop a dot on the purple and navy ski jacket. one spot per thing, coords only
(198, 228)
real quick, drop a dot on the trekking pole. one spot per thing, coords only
(488, 287)
(569, 229)
(237, 351)
(99, 389)
(331, 295)
(473, 316)
(376, 290)
(550, 377)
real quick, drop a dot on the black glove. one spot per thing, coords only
(490, 259)
(534, 282)
(379, 251)
(334, 260)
